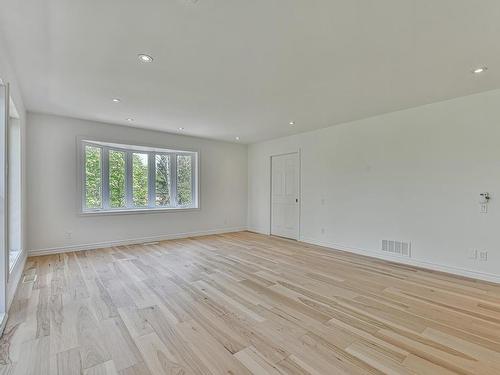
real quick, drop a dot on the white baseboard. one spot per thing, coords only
(259, 230)
(131, 241)
(408, 261)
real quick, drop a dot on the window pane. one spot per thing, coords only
(93, 177)
(184, 183)
(116, 179)
(140, 179)
(162, 180)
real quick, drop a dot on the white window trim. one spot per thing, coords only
(129, 149)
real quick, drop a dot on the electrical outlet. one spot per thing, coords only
(483, 255)
(68, 234)
(473, 254)
(322, 230)
(484, 208)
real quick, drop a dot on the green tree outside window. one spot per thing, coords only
(117, 179)
(93, 180)
(184, 180)
(162, 180)
(140, 179)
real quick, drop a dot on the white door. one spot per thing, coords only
(285, 195)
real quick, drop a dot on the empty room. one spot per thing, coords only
(207, 187)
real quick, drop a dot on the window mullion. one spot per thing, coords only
(105, 177)
(128, 179)
(173, 179)
(151, 179)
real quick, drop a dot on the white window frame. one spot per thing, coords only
(106, 147)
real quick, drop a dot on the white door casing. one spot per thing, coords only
(4, 253)
(285, 195)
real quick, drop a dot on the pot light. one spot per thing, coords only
(237, 138)
(181, 129)
(116, 100)
(145, 58)
(130, 119)
(291, 123)
(480, 70)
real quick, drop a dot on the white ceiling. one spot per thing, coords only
(227, 68)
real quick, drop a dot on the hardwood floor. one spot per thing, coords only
(245, 303)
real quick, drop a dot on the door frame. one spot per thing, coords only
(299, 192)
(4, 231)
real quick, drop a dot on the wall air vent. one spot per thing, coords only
(397, 247)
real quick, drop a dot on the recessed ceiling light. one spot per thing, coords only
(292, 123)
(145, 58)
(482, 69)
(181, 129)
(116, 100)
(130, 119)
(237, 138)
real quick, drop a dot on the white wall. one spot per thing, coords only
(410, 175)
(53, 198)
(8, 75)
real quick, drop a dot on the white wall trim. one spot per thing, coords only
(407, 261)
(259, 230)
(131, 241)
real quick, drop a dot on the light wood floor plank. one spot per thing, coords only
(245, 303)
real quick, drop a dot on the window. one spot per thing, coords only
(140, 179)
(93, 172)
(118, 177)
(162, 180)
(184, 180)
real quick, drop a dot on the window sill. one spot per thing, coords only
(132, 211)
